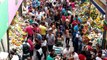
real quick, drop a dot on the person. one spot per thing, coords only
(13, 55)
(31, 47)
(82, 56)
(39, 52)
(44, 48)
(75, 22)
(39, 37)
(99, 56)
(51, 55)
(67, 34)
(32, 19)
(26, 50)
(74, 56)
(105, 58)
(51, 39)
(71, 19)
(29, 30)
(36, 27)
(75, 38)
(73, 5)
(67, 52)
(43, 29)
(60, 39)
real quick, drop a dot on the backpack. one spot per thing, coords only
(26, 48)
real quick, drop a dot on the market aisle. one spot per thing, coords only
(64, 45)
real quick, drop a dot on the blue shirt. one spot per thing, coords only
(76, 28)
(39, 37)
(36, 3)
(63, 10)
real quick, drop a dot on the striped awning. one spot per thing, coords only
(99, 5)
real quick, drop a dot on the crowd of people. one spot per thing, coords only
(53, 23)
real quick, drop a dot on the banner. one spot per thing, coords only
(3, 17)
(13, 6)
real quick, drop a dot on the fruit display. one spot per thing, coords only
(16, 33)
(92, 22)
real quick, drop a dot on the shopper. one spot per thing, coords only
(99, 56)
(82, 55)
(60, 40)
(29, 30)
(67, 35)
(39, 53)
(73, 5)
(26, 50)
(75, 56)
(51, 39)
(31, 47)
(67, 52)
(38, 37)
(75, 21)
(51, 56)
(43, 29)
(44, 48)
(32, 19)
(13, 55)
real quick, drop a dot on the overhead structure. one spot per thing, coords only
(3, 17)
(100, 5)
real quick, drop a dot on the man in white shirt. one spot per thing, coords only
(75, 56)
(44, 48)
(15, 57)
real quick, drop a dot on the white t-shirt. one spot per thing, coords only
(75, 56)
(98, 58)
(44, 43)
(66, 52)
(15, 57)
(40, 51)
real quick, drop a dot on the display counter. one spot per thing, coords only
(16, 32)
(92, 23)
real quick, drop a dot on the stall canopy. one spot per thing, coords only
(13, 6)
(8, 9)
(99, 5)
(3, 17)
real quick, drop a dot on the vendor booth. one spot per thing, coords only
(93, 19)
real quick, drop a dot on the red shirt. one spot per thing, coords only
(89, 47)
(82, 57)
(29, 30)
(63, 18)
(75, 22)
(73, 4)
(105, 58)
(31, 44)
(36, 29)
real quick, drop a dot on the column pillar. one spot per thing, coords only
(104, 43)
(106, 24)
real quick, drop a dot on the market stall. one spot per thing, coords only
(92, 23)
(16, 32)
